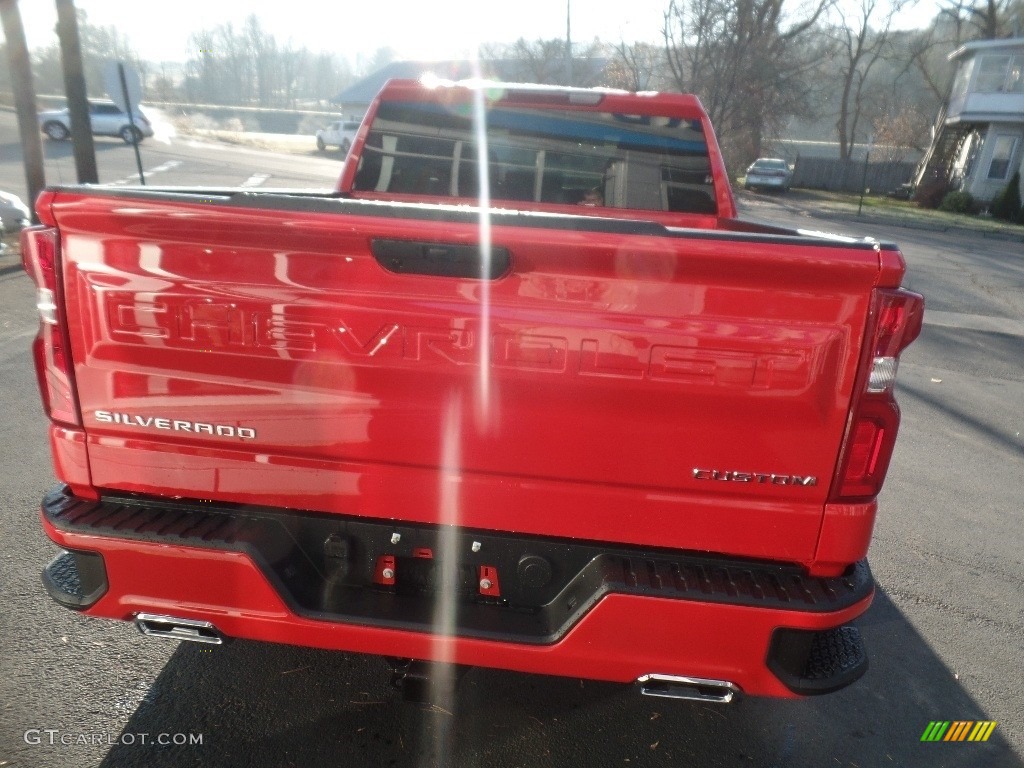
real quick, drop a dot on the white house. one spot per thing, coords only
(979, 137)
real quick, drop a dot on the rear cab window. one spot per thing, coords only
(538, 155)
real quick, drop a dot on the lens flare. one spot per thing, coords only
(483, 389)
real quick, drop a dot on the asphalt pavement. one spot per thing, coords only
(945, 634)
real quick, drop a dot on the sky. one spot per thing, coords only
(415, 29)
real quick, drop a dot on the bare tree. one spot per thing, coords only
(325, 75)
(926, 53)
(859, 48)
(543, 61)
(232, 53)
(292, 63)
(261, 51)
(99, 44)
(899, 131)
(247, 66)
(987, 19)
(380, 59)
(637, 67)
(745, 62)
(162, 87)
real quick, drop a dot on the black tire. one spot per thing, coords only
(320, 144)
(56, 131)
(130, 134)
(345, 146)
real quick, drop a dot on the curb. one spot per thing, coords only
(1010, 237)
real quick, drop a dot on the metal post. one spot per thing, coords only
(74, 89)
(863, 180)
(131, 121)
(568, 42)
(24, 101)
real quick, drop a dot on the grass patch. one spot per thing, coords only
(904, 212)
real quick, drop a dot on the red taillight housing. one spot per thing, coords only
(894, 322)
(40, 255)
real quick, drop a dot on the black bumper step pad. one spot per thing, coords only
(76, 579)
(810, 662)
(324, 567)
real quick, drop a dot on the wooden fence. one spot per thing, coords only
(837, 175)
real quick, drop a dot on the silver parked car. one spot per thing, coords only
(14, 214)
(106, 119)
(768, 173)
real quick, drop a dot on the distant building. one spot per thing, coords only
(979, 134)
(356, 99)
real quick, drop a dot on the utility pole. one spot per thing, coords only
(24, 101)
(568, 42)
(74, 89)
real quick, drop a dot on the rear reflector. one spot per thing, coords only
(40, 255)
(46, 303)
(883, 374)
(895, 321)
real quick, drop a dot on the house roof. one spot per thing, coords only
(362, 91)
(589, 71)
(1009, 43)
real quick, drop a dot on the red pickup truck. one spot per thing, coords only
(522, 392)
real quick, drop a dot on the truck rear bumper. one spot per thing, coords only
(548, 606)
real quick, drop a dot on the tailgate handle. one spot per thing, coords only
(421, 257)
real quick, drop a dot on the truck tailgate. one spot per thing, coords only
(669, 388)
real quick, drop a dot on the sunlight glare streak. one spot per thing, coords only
(163, 128)
(447, 559)
(483, 392)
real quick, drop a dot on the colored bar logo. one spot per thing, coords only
(958, 730)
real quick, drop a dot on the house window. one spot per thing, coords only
(963, 79)
(1002, 152)
(1015, 76)
(992, 74)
